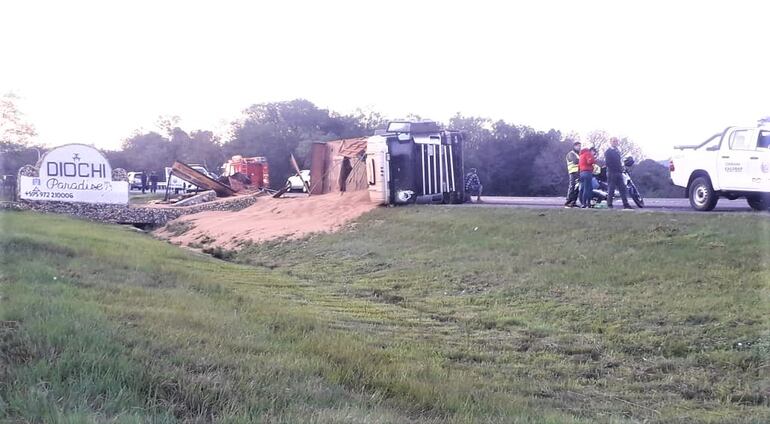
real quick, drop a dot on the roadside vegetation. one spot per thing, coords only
(513, 160)
(139, 198)
(423, 314)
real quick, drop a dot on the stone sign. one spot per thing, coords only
(74, 173)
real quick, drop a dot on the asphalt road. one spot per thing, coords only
(657, 205)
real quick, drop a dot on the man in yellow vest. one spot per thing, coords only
(573, 157)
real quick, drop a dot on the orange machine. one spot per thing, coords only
(255, 168)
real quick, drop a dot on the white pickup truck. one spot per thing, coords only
(734, 163)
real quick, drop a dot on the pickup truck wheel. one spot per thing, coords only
(702, 195)
(759, 203)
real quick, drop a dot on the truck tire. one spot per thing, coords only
(703, 198)
(759, 202)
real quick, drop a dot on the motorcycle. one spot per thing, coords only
(600, 186)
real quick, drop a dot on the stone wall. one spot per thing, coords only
(132, 214)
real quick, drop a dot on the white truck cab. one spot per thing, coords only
(415, 162)
(734, 163)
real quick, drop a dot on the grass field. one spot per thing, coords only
(137, 198)
(423, 314)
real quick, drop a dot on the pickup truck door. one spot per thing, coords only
(759, 163)
(734, 159)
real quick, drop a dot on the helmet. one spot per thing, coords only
(629, 162)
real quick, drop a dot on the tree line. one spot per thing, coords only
(516, 160)
(513, 160)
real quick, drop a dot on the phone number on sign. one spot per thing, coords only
(49, 195)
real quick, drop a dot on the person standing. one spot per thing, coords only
(615, 174)
(586, 168)
(573, 159)
(144, 181)
(153, 182)
(473, 185)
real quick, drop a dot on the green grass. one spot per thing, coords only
(424, 314)
(137, 198)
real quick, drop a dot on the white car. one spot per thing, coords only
(734, 163)
(295, 182)
(134, 180)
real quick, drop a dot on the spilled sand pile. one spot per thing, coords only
(268, 219)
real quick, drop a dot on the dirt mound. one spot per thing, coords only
(267, 219)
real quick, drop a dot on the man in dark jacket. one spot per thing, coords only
(144, 181)
(153, 182)
(573, 157)
(615, 174)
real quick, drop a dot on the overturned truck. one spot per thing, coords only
(415, 162)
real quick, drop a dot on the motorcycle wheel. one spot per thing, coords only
(636, 196)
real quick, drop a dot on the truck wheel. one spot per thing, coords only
(759, 203)
(702, 195)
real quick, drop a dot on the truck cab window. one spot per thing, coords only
(398, 127)
(763, 142)
(739, 140)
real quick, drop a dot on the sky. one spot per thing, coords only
(659, 72)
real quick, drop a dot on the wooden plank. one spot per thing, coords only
(281, 192)
(192, 176)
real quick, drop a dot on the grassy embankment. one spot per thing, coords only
(425, 314)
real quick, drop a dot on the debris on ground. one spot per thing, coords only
(271, 218)
(197, 198)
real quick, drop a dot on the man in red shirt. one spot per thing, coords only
(586, 167)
